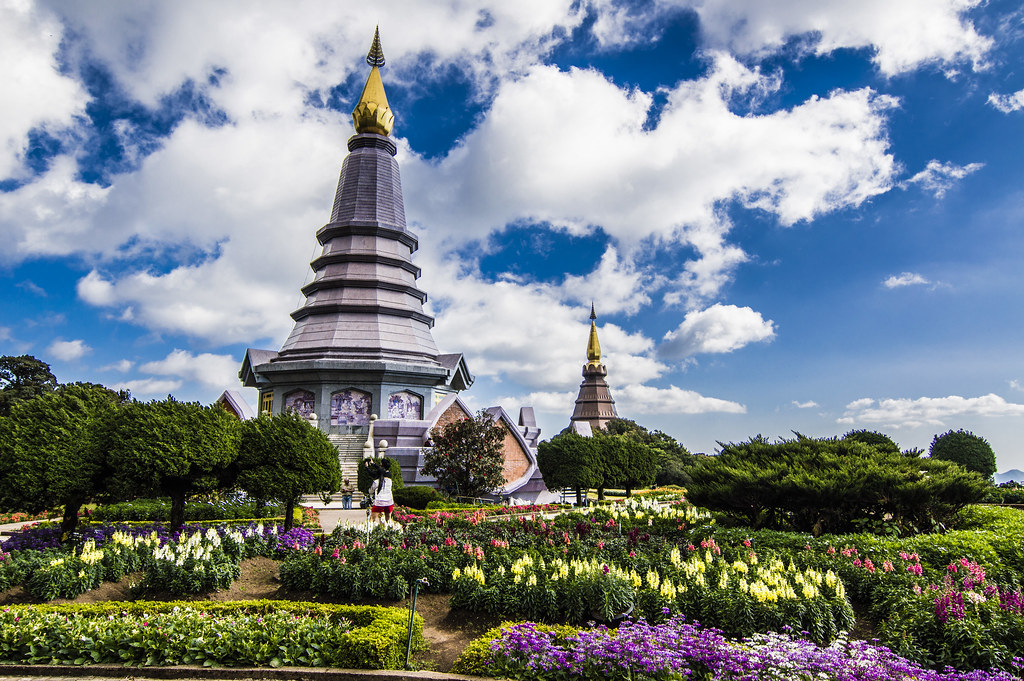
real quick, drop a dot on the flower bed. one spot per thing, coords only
(676, 648)
(241, 633)
(176, 563)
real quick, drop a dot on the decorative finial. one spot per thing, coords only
(375, 57)
(593, 346)
(372, 113)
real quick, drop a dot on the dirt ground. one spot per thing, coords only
(447, 631)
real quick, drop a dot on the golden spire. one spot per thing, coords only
(372, 113)
(593, 347)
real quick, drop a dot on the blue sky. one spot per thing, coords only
(801, 215)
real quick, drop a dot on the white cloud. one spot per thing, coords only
(1007, 103)
(5, 333)
(122, 366)
(809, 404)
(645, 399)
(938, 177)
(905, 279)
(36, 94)
(664, 184)
(216, 371)
(153, 48)
(635, 400)
(68, 351)
(902, 36)
(717, 329)
(1015, 384)
(935, 411)
(614, 286)
(154, 388)
(524, 333)
(54, 215)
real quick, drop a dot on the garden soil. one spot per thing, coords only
(447, 632)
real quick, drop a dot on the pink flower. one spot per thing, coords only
(318, 551)
(335, 554)
(746, 542)
(600, 544)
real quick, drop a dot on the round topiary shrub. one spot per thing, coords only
(966, 449)
(417, 496)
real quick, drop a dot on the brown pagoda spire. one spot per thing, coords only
(594, 404)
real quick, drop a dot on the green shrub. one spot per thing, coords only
(157, 510)
(966, 449)
(238, 633)
(830, 486)
(417, 496)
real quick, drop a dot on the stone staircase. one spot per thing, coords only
(350, 454)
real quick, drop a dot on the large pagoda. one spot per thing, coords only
(361, 343)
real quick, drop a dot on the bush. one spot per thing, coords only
(417, 496)
(966, 449)
(245, 633)
(831, 485)
(159, 509)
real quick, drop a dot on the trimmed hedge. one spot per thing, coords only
(160, 510)
(416, 496)
(377, 640)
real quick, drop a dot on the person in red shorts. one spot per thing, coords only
(383, 500)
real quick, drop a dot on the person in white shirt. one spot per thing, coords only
(383, 500)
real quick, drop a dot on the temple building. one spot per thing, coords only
(361, 344)
(594, 404)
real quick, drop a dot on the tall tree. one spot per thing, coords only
(570, 461)
(673, 459)
(963, 447)
(168, 448)
(283, 457)
(22, 378)
(626, 463)
(47, 457)
(467, 458)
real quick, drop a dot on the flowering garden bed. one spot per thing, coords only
(943, 599)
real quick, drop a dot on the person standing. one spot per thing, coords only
(383, 500)
(347, 490)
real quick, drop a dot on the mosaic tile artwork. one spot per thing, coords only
(350, 408)
(301, 401)
(405, 405)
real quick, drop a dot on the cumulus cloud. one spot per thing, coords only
(905, 279)
(717, 329)
(665, 184)
(902, 36)
(938, 177)
(122, 366)
(638, 400)
(524, 332)
(37, 95)
(216, 371)
(934, 411)
(68, 351)
(1007, 103)
(645, 399)
(809, 404)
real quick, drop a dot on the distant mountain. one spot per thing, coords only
(1014, 474)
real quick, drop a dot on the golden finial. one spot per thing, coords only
(372, 113)
(593, 347)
